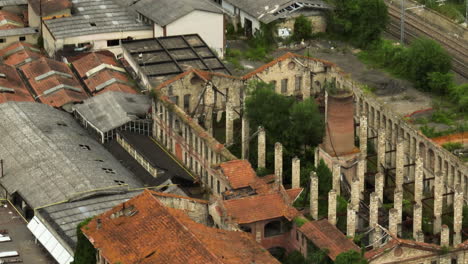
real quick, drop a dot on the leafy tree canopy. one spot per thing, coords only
(302, 28)
(361, 21)
(350, 257)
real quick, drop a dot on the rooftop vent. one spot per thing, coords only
(6, 90)
(2, 75)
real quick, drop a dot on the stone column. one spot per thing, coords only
(279, 162)
(393, 221)
(355, 192)
(445, 236)
(361, 173)
(336, 181)
(363, 135)
(332, 207)
(418, 180)
(296, 172)
(351, 221)
(314, 193)
(261, 147)
(400, 163)
(229, 124)
(438, 199)
(258, 236)
(381, 150)
(457, 215)
(374, 217)
(209, 97)
(245, 137)
(316, 157)
(379, 185)
(417, 221)
(398, 205)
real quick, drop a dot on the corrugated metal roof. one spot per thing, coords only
(49, 158)
(94, 17)
(18, 31)
(112, 109)
(13, 2)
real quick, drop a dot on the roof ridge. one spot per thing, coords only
(179, 222)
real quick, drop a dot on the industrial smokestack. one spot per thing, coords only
(339, 129)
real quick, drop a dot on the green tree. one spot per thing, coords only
(361, 21)
(85, 253)
(325, 178)
(294, 257)
(440, 83)
(302, 28)
(350, 257)
(426, 56)
(306, 124)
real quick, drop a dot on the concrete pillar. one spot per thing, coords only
(438, 201)
(279, 161)
(400, 163)
(209, 102)
(336, 181)
(418, 180)
(393, 221)
(296, 172)
(363, 135)
(229, 123)
(261, 147)
(445, 236)
(361, 173)
(332, 207)
(245, 137)
(314, 193)
(374, 217)
(379, 185)
(417, 221)
(457, 215)
(258, 236)
(351, 221)
(398, 205)
(381, 150)
(355, 192)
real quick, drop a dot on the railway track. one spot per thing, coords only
(415, 27)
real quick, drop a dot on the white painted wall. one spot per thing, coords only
(158, 30)
(210, 27)
(31, 39)
(99, 41)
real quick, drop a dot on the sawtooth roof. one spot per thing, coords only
(164, 12)
(112, 109)
(49, 158)
(12, 87)
(92, 17)
(148, 232)
(19, 53)
(53, 82)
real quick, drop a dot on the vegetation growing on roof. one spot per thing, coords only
(85, 252)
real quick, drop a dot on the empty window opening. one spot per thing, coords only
(92, 24)
(284, 86)
(23, 38)
(86, 147)
(62, 124)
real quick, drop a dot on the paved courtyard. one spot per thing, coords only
(22, 240)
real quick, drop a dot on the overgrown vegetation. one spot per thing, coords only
(451, 146)
(453, 9)
(85, 252)
(359, 21)
(297, 125)
(350, 257)
(302, 29)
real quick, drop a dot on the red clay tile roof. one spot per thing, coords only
(207, 76)
(12, 87)
(154, 233)
(327, 236)
(18, 52)
(260, 207)
(49, 6)
(282, 58)
(239, 173)
(91, 61)
(294, 193)
(10, 20)
(395, 241)
(60, 96)
(85, 63)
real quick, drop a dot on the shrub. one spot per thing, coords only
(451, 146)
(302, 29)
(85, 253)
(440, 83)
